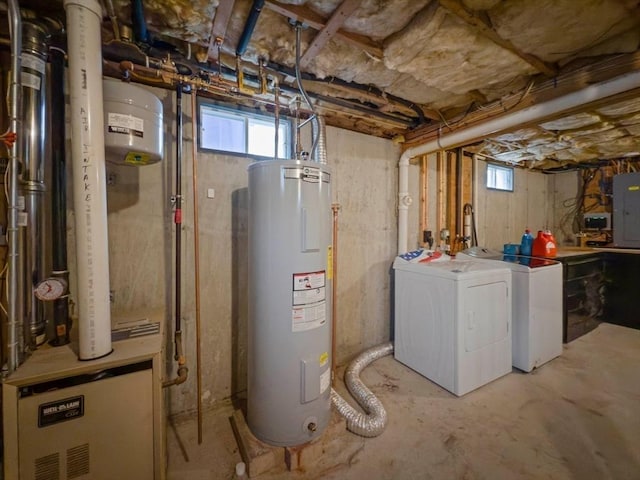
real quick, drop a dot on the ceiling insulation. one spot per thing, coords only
(446, 61)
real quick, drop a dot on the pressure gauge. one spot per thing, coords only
(50, 289)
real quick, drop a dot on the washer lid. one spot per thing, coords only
(454, 269)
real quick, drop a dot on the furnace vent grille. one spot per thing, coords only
(78, 461)
(48, 467)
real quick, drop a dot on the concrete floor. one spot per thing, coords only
(578, 417)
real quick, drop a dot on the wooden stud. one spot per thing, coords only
(219, 27)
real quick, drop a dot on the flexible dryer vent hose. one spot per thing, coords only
(373, 422)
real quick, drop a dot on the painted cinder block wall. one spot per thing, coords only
(141, 239)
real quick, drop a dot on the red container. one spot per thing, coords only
(544, 245)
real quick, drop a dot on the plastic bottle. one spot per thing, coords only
(544, 245)
(550, 247)
(526, 244)
(241, 471)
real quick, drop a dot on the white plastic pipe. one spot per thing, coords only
(89, 185)
(535, 113)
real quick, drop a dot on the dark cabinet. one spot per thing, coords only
(584, 294)
(621, 273)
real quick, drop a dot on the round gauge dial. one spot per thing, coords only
(50, 289)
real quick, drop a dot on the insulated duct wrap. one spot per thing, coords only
(374, 421)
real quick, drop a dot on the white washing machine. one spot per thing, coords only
(453, 321)
(537, 305)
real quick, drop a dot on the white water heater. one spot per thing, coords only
(133, 124)
(289, 368)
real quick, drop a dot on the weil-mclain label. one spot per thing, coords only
(60, 411)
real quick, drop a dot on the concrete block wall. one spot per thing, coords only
(365, 176)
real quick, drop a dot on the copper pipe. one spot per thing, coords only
(335, 207)
(196, 254)
(423, 198)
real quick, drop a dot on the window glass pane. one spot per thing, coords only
(242, 132)
(261, 138)
(222, 132)
(499, 178)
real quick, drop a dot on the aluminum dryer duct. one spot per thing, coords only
(535, 113)
(374, 421)
(89, 185)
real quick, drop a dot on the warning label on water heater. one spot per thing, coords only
(308, 317)
(309, 306)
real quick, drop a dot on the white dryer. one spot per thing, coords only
(453, 321)
(537, 305)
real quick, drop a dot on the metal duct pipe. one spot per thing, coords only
(249, 27)
(14, 301)
(62, 323)
(89, 185)
(535, 113)
(320, 133)
(33, 141)
(373, 422)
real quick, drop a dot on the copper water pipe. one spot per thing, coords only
(335, 207)
(423, 198)
(196, 253)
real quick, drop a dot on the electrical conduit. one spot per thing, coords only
(14, 302)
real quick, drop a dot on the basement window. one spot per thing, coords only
(242, 132)
(499, 177)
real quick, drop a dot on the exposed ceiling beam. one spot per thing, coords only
(318, 22)
(548, 90)
(338, 17)
(483, 27)
(219, 27)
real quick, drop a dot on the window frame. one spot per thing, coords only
(246, 114)
(505, 168)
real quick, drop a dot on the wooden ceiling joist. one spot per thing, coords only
(318, 22)
(338, 17)
(483, 27)
(219, 28)
(552, 88)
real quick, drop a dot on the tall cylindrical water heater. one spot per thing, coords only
(290, 278)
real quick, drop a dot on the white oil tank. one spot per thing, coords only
(133, 124)
(289, 368)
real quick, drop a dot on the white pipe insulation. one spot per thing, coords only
(89, 185)
(535, 113)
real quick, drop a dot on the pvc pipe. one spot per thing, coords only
(249, 27)
(404, 200)
(15, 87)
(61, 320)
(535, 113)
(89, 185)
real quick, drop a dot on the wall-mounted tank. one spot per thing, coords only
(133, 124)
(289, 369)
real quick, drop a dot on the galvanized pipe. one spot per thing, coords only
(14, 301)
(33, 141)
